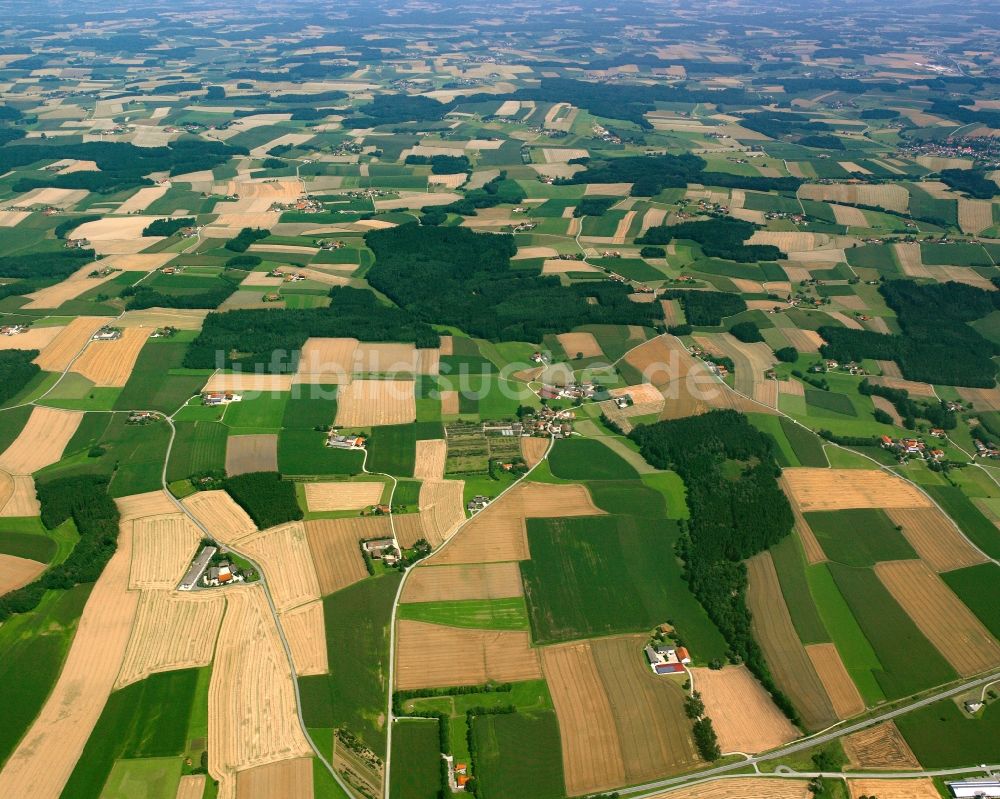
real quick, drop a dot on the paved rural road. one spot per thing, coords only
(650, 788)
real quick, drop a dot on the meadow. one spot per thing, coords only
(587, 459)
(859, 536)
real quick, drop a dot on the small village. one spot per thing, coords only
(905, 448)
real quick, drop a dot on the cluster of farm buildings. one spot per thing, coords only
(905, 447)
(664, 659)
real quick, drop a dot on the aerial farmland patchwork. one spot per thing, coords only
(401, 401)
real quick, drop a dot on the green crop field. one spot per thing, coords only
(587, 459)
(157, 778)
(954, 254)
(600, 575)
(305, 452)
(146, 719)
(354, 694)
(487, 614)
(859, 536)
(315, 406)
(976, 586)
(407, 493)
(828, 401)
(789, 562)
(808, 447)
(941, 736)
(392, 449)
(628, 497)
(416, 772)
(855, 649)
(968, 517)
(518, 756)
(262, 414)
(892, 633)
(670, 485)
(32, 649)
(198, 447)
(34, 546)
(152, 384)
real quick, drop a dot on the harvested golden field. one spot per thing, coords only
(342, 495)
(890, 196)
(922, 390)
(252, 453)
(885, 405)
(252, 717)
(336, 552)
(879, 747)
(431, 656)
(836, 489)
(70, 341)
(116, 228)
(847, 321)
(498, 532)
(288, 779)
(303, 627)
(431, 456)
(49, 751)
(470, 581)
(152, 503)
(34, 338)
(794, 241)
(191, 786)
(162, 549)
(743, 714)
(948, 624)
(247, 382)
(409, 528)
(803, 340)
(284, 556)
(974, 215)
(364, 403)
(654, 731)
(810, 545)
(16, 572)
(921, 788)
(582, 344)
(839, 686)
(652, 218)
(41, 442)
(742, 788)
(534, 449)
(936, 539)
(58, 198)
(910, 261)
(591, 749)
(607, 189)
(849, 216)
(441, 509)
(772, 625)
(20, 498)
(449, 403)
(173, 630)
(221, 516)
(751, 361)
(326, 360)
(621, 232)
(181, 318)
(143, 198)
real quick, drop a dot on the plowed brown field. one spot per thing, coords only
(430, 655)
(253, 453)
(580, 343)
